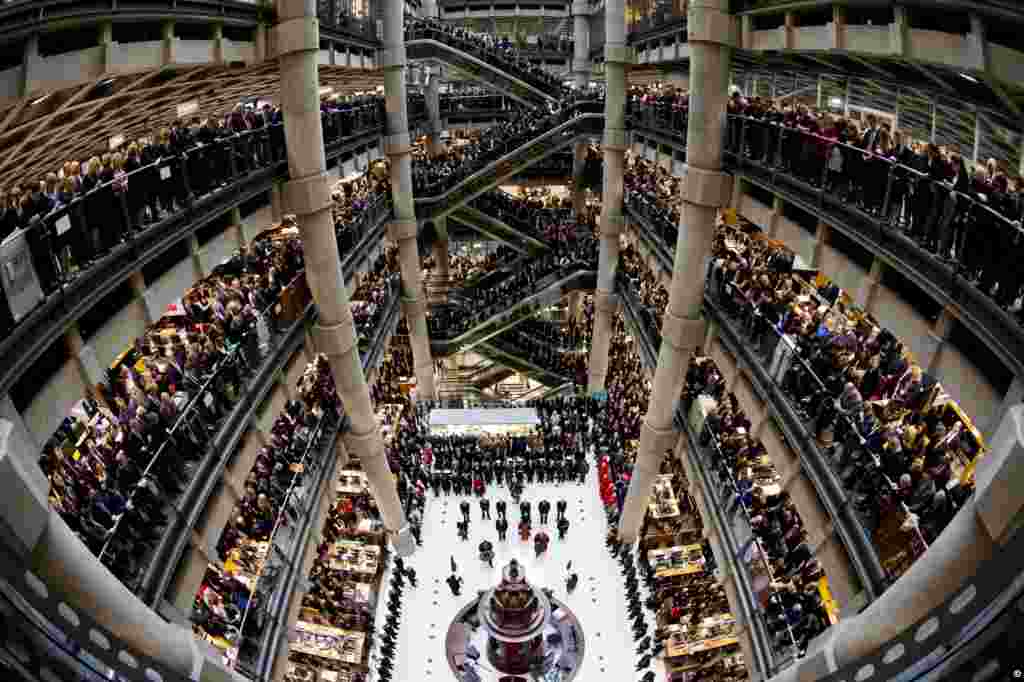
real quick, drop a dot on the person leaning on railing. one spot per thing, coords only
(931, 192)
(863, 394)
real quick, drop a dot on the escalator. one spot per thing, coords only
(546, 292)
(562, 136)
(512, 233)
(502, 350)
(424, 42)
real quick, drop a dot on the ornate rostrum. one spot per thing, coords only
(526, 633)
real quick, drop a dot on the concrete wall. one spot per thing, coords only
(193, 51)
(968, 386)
(170, 286)
(120, 331)
(795, 237)
(937, 46)
(906, 323)
(54, 400)
(844, 272)
(62, 70)
(871, 39)
(128, 57)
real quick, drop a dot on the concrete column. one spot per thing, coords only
(22, 434)
(778, 206)
(581, 43)
(939, 333)
(614, 145)
(789, 31)
(308, 195)
(440, 248)
(260, 42)
(864, 296)
(838, 27)
(106, 41)
(898, 31)
(217, 36)
(435, 145)
(705, 189)
(976, 53)
(29, 63)
(196, 254)
(138, 284)
(573, 307)
(747, 32)
(403, 229)
(276, 203)
(820, 242)
(972, 538)
(579, 195)
(84, 357)
(167, 35)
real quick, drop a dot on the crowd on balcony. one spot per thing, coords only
(572, 334)
(79, 213)
(898, 443)
(231, 600)
(787, 582)
(357, 205)
(498, 52)
(491, 298)
(654, 192)
(652, 296)
(136, 438)
(967, 213)
(376, 287)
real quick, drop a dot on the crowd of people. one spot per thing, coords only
(546, 220)
(794, 612)
(231, 601)
(436, 175)
(137, 438)
(483, 301)
(933, 193)
(83, 211)
(898, 443)
(567, 363)
(358, 204)
(498, 52)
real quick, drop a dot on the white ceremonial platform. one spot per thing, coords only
(496, 420)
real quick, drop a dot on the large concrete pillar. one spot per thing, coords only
(105, 37)
(579, 195)
(29, 65)
(434, 143)
(308, 196)
(617, 55)
(167, 36)
(581, 43)
(402, 230)
(276, 203)
(705, 188)
(75, 579)
(440, 248)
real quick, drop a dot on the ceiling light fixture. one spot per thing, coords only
(968, 77)
(40, 99)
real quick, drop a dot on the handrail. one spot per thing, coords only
(503, 348)
(947, 285)
(862, 552)
(43, 324)
(536, 149)
(648, 341)
(553, 285)
(167, 554)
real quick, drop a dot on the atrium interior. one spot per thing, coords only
(582, 340)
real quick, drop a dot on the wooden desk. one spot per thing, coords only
(663, 486)
(689, 648)
(329, 642)
(341, 552)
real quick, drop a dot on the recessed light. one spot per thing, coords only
(968, 77)
(40, 99)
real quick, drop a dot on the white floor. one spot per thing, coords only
(599, 600)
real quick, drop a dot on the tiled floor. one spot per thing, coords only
(599, 600)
